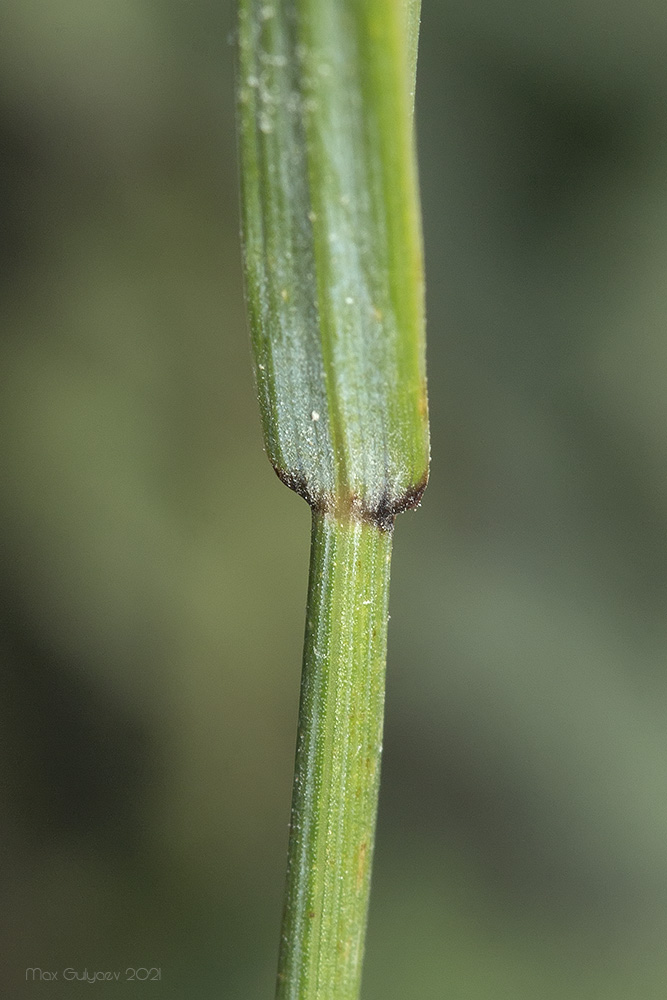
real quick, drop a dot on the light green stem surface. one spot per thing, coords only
(337, 762)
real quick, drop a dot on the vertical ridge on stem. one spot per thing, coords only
(337, 763)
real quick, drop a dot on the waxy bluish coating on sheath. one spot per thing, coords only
(333, 250)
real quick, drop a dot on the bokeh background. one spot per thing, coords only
(153, 569)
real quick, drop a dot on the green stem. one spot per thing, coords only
(337, 761)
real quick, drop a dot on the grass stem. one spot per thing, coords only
(337, 761)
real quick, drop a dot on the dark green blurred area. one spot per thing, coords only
(153, 570)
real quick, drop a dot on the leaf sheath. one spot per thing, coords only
(333, 248)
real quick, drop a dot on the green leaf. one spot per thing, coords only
(333, 249)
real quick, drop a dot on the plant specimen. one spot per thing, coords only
(334, 284)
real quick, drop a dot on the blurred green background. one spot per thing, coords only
(153, 569)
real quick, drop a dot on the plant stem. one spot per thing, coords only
(334, 280)
(337, 761)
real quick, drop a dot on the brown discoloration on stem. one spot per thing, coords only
(352, 507)
(298, 483)
(388, 508)
(362, 864)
